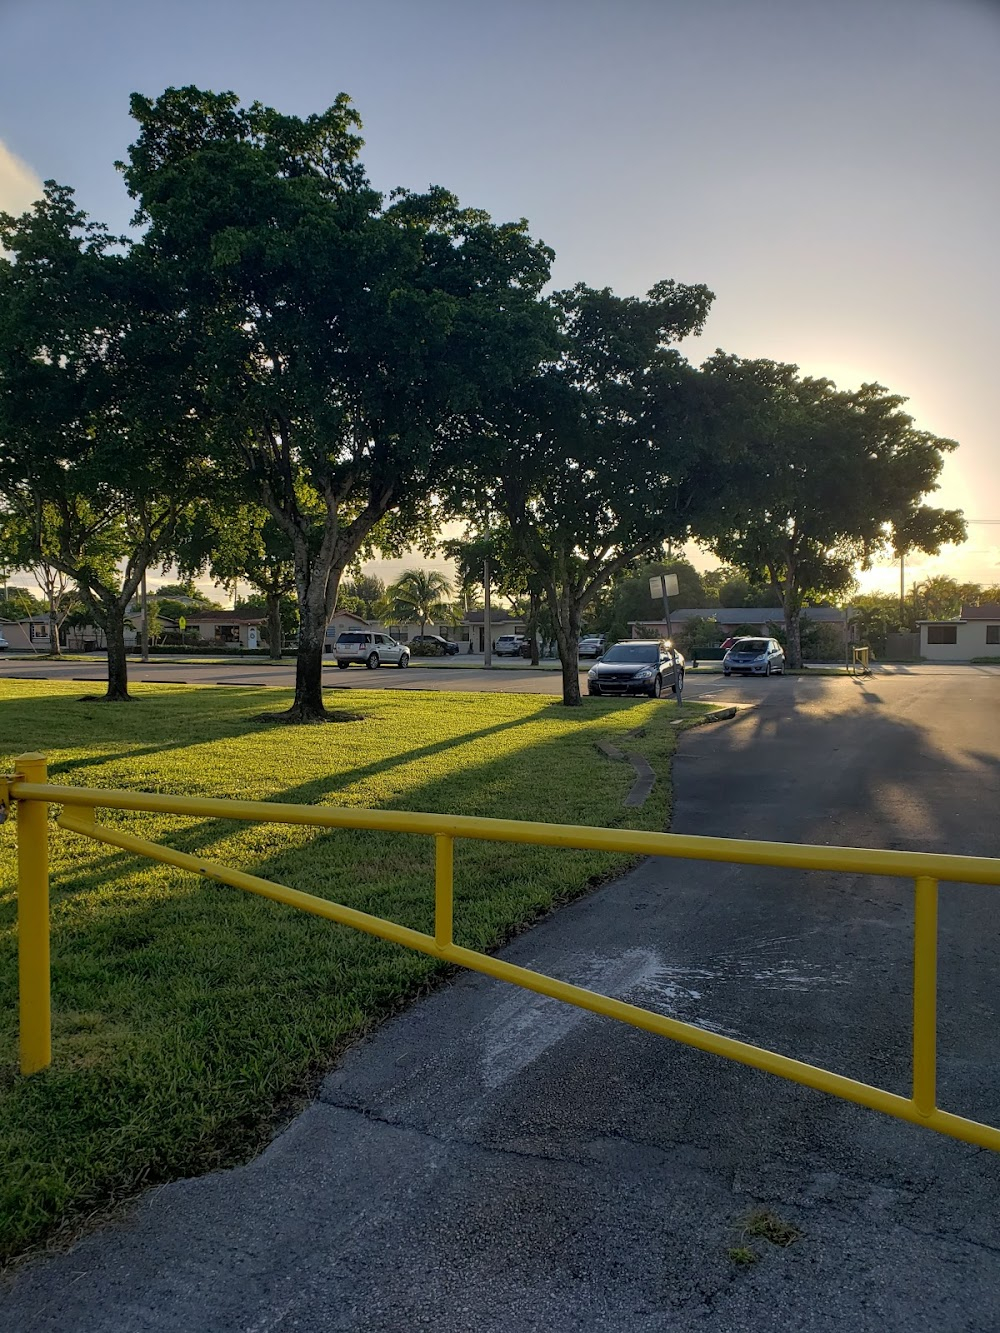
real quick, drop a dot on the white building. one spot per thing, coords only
(975, 633)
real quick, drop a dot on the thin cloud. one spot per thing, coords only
(19, 185)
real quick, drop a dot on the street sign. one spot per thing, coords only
(656, 585)
(182, 622)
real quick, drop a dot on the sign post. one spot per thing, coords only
(665, 586)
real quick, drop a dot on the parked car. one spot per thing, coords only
(525, 648)
(637, 666)
(3, 643)
(754, 657)
(435, 645)
(508, 645)
(591, 645)
(369, 649)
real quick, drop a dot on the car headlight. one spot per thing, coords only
(647, 673)
(592, 673)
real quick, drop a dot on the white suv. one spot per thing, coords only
(509, 645)
(369, 649)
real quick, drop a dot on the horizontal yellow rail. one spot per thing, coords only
(29, 788)
(743, 851)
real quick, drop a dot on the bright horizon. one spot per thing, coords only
(827, 170)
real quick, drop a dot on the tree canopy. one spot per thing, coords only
(98, 456)
(810, 481)
(346, 344)
(588, 461)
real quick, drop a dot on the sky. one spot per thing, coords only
(827, 167)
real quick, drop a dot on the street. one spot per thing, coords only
(490, 1160)
(434, 674)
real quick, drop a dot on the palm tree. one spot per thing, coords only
(419, 594)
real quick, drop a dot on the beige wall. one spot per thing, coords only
(971, 642)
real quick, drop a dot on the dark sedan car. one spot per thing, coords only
(637, 666)
(434, 645)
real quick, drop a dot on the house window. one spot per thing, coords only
(227, 634)
(942, 634)
(993, 633)
(36, 632)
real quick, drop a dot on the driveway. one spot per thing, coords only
(493, 1161)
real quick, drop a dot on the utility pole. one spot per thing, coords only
(487, 620)
(902, 593)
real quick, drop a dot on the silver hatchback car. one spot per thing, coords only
(754, 657)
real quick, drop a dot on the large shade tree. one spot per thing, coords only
(589, 462)
(99, 456)
(812, 482)
(348, 344)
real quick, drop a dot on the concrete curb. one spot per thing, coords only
(645, 778)
(720, 715)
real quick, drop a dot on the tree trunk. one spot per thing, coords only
(307, 705)
(274, 633)
(533, 600)
(793, 634)
(55, 645)
(566, 612)
(114, 632)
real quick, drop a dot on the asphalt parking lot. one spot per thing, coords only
(492, 1160)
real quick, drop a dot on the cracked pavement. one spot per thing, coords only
(492, 1160)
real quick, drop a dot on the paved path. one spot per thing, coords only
(492, 1161)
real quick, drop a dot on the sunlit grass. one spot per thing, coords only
(185, 1013)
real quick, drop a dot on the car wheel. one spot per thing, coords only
(404, 660)
(343, 665)
(680, 677)
(657, 688)
(767, 669)
(372, 662)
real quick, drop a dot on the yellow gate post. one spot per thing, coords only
(33, 920)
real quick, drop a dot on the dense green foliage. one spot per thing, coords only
(810, 481)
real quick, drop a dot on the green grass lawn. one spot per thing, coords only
(187, 1015)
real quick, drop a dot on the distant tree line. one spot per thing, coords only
(285, 371)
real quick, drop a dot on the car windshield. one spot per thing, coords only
(750, 646)
(353, 638)
(632, 652)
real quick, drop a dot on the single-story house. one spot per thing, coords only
(228, 629)
(747, 620)
(502, 621)
(30, 634)
(342, 620)
(975, 633)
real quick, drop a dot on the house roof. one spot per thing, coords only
(225, 618)
(746, 615)
(497, 617)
